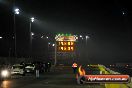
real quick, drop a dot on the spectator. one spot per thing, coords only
(49, 66)
(74, 66)
(37, 70)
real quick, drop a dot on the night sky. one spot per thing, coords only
(107, 22)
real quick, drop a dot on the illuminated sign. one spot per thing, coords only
(65, 46)
(82, 78)
(66, 49)
(66, 42)
(66, 37)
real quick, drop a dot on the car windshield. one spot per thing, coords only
(19, 67)
(29, 65)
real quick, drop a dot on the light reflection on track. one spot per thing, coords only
(5, 84)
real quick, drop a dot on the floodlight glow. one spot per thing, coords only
(87, 37)
(32, 19)
(80, 36)
(16, 11)
(0, 37)
(42, 36)
(53, 44)
(123, 13)
(32, 33)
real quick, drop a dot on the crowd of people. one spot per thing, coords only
(43, 67)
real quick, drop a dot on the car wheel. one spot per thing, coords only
(81, 80)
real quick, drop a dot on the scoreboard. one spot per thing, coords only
(65, 42)
(65, 46)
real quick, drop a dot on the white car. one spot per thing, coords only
(29, 68)
(17, 69)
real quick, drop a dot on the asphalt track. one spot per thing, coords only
(61, 77)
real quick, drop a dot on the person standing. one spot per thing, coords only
(74, 66)
(43, 67)
(37, 70)
(49, 66)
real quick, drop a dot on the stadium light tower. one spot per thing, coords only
(87, 37)
(32, 19)
(31, 34)
(16, 12)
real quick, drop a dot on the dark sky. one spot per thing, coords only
(103, 20)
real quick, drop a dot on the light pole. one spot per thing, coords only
(47, 37)
(31, 34)
(48, 46)
(55, 61)
(55, 46)
(16, 12)
(87, 37)
(55, 51)
(9, 53)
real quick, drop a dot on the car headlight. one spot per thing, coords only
(4, 73)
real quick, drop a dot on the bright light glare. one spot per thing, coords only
(16, 11)
(0, 37)
(32, 19)
(53, 44)
(49, 43)
(42, 36)
(32, 33)
(87, 37)
(80, 36)
(4, 73)
(47, 37)
(123, 13)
